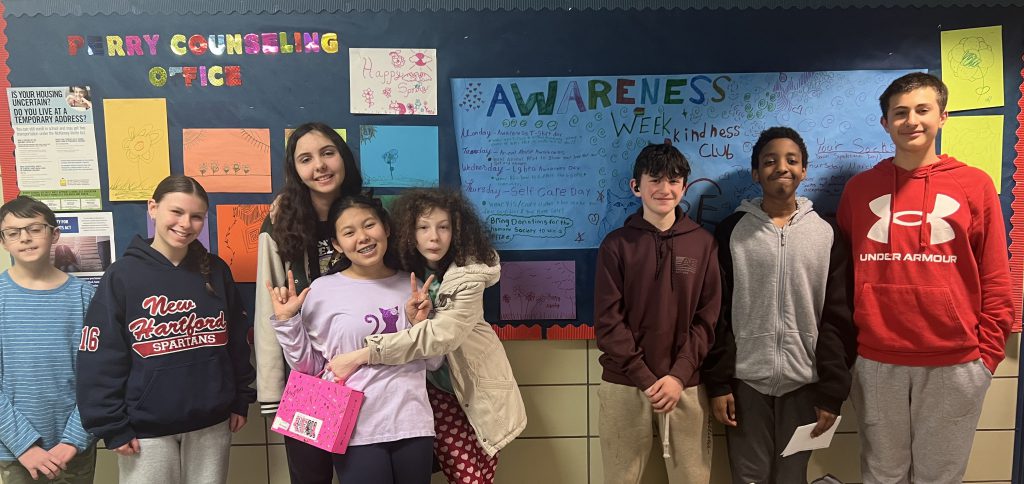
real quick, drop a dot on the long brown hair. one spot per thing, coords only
(470, 238)
(197, 254)
(295, 221)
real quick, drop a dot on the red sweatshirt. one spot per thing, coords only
(931, 278)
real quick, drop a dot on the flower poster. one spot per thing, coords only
(398, 156)
(393, 81)
(137, 149)
(972, 67)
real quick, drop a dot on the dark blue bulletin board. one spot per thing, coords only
(279, 91)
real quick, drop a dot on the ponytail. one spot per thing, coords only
(201, 256)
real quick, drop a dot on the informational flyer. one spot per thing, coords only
(55, 146)
(86, 245)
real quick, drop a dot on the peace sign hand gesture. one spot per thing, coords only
(418, 307)
(286, 302)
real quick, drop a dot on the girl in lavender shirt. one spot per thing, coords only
(393, 437)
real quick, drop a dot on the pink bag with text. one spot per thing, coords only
(318, 412)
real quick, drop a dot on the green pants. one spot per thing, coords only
(80, 470)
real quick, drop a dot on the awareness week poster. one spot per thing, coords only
(55, 146)
(547, 161)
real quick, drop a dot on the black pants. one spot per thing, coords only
(406, 461)
(308, 464)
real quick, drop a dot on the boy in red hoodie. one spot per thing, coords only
(657, 297)
(932, 294)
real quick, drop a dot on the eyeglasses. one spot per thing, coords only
(34, 230)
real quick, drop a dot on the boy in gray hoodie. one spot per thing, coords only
(785, 340)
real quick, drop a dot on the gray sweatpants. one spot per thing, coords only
(764, 425)
(197, 457)
(917, 423)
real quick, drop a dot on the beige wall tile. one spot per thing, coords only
(562, 461)
(106, 467)
(277, 462)
(593, 410)
(850, 420)
(555, 411)
(255, 430)
(272, 437)
(991, 456)
(594, 368)
(548, 362)
(1011, 365)
(248, 464)
(1000, 408)
(841, 459)
(720, 473)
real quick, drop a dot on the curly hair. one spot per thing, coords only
(772, 134)
(295, 219)
(470, 237)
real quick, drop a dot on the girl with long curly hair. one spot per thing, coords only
(440, 239)
(295, 238)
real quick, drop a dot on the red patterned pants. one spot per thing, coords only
(456, 448)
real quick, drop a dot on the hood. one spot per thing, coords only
(682, 225)
(945, 163)
(804, 206)
(474, 272)
(664, 241)
(140, 250)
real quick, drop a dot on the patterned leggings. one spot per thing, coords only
(456, 448)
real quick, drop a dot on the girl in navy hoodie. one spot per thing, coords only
(164, 373)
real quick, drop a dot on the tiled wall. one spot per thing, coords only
(561, 446)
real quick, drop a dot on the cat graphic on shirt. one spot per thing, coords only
(390, 316)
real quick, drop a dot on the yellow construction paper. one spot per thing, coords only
(972, 67)
(137, 148)
(977, 141)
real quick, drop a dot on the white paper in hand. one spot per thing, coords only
(802, 440)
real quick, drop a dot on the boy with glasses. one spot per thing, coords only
(41, 314)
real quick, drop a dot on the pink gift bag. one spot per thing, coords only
(318, 412)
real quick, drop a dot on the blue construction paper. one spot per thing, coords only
(398, 156)
(547, 161)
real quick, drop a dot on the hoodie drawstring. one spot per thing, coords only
(922, 243)
(659, 242)
(658, 256)
(892, 205)
(665, 445)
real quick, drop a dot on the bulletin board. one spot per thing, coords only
(581, 91)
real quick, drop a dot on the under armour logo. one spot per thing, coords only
(941, 230)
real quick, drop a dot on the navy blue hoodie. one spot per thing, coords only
(160, 355)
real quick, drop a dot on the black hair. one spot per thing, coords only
(24, 206)
(659, 160)
(197, 253)
(295, 222)
(340, 262)
(772, 134)
(911, 82)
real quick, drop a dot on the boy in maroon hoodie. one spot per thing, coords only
(657, 297)
(932, 294)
